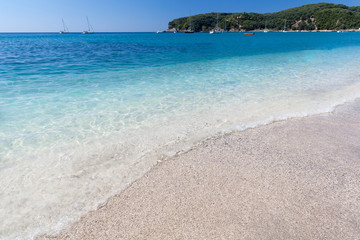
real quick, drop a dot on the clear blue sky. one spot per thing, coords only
(124, 15)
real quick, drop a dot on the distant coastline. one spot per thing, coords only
(261, 30)
(311, 17)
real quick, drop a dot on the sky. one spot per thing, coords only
(124, 15)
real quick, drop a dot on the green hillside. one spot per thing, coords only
(320, 16)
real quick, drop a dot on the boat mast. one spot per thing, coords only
(217, 21)
(64, 26)
(87, 19)
(190, 23)
(285, 25)
(89, 25)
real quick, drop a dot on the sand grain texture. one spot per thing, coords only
(295, 179)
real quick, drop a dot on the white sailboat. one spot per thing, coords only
(266, 30)
(189, 30)
(90, 28)
(216, 30)
(285, 26)
(65, 29)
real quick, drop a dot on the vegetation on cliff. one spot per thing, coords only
(320, 16)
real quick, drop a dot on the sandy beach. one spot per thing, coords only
(294, 179)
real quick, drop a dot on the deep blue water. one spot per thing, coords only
(29, 54)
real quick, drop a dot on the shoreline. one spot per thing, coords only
(145, 187)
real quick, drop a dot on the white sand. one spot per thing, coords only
(295, 179)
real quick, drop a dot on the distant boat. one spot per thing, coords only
(285, 26)
(249, 34)
(65, 29)
(90, 28)
(189, 30)
(266, 30)
(216, 30)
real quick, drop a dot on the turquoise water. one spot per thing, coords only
(82, 116)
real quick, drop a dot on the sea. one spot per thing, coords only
(83, 116)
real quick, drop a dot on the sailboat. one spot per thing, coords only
(65, 29)
(216, 30)
(285, 26)
(266, 30)
(90, 28)
(189, 30)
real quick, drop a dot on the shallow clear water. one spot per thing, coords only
(81, 116)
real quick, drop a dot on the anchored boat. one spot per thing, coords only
(65, 29)
(90, 28)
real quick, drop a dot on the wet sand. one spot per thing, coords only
(294, 179)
